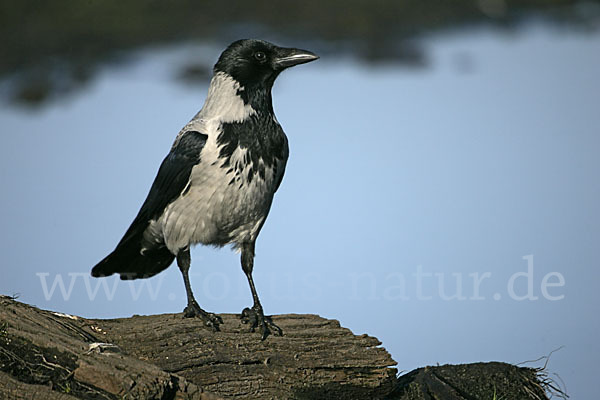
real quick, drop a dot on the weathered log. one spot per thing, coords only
(167, 356)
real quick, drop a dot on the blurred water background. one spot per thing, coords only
(442, 190)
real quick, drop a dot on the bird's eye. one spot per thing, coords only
(260, 56)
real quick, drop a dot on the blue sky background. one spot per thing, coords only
(401, 182)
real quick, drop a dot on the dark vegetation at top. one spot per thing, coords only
(54, 47)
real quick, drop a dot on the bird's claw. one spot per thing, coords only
(256, 319)
(211, 320)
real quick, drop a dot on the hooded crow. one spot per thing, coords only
(217, 183)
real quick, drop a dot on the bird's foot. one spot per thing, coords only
(255, 317)
(211, 320)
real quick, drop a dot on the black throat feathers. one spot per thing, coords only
(262, 138)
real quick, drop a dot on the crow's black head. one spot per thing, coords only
(254, 62)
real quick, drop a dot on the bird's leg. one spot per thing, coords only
(193, 309)
(255, 316)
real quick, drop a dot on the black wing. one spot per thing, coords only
(171, 179)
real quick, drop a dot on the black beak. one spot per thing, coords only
(290, 57)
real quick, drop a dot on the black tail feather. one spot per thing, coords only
(128, 261)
